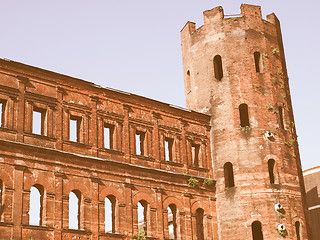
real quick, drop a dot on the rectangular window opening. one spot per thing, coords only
(168, 145)
(2, 112)
(140, 136)
(108, 132)
(281, 117)
(195, 148)
(75, 123)
(38, 119)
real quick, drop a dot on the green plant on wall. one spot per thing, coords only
(192, 182)
(141, 234)
(207, 182)
(274, 50)
(245, 129)
(265, 55)
(271, 108)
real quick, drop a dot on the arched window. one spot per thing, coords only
(281, 117)
(257, 61)
(297, 225)
(199, 223)
(142, 214)
(256, 231)
(74, 209)
(36, 205)
(271, 164)
(244, 116)
(217, 63)
(172, 221)
(228, 175)
(110, 214)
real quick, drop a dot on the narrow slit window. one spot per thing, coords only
(281, 117)
(110, 213)
(271, 164)
(172, 221)
(108, 132)
(168, 145)
(36, 205)
(257, 61)
(38, 121)
(75, 123)
(142, 214)
(298, 234)
(74, 209)
(256, 231)
(199, 224)
(1, 189)
(140, 138)
(2, 112)
(188, 81)
(228, 175)
(195, 149)
(217, 63)
(244, 115)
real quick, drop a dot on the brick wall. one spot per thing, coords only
(59, 165)
(312, 184)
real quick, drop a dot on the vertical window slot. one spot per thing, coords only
(168, 145)
(244, 115)
(75, 123)
(257, 61)
(228, 175)
(108, 132)
(38, 121)
(195, 149)
(218, 71)
(140, 138)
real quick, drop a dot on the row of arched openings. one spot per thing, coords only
(218, 70)
(229, 175)
(257, 233)
(36, 211)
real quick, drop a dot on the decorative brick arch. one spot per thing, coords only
(110, 191)
(143, 196)
(173, 200)
(72, 185)
(198, 204)
(7, 180)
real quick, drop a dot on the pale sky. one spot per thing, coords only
(134, 46)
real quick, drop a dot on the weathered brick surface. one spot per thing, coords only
(60, 165)
(236, 39)
(312, 184)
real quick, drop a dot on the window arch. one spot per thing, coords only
(199, 223)
(228, 175)
(143, 215)
(74, 209)
(298, 230)
(244, 115)
(256, 231)
(217, 64)
(110, 214)
(271, 164)
(257, 61)
(172, 221)
(36, 205)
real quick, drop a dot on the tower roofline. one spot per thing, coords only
(217, 14)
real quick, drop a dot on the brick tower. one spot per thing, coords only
(234, 69)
